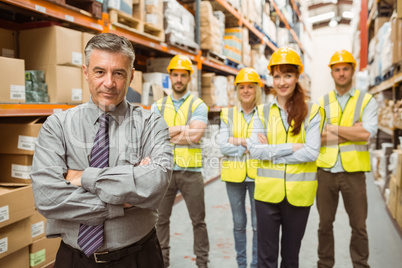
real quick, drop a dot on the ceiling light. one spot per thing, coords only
(333, 23)
(321, 17)
(348, 14)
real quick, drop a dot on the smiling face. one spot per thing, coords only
(246, 93)
(284, 82)
(109, 76)
(342, 73)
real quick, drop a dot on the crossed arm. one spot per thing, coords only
(333, 134)
(187, 134)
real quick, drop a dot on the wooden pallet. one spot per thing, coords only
(153, 31)
(232, 63)
(125, 21)
(213, 56)
(190, 49)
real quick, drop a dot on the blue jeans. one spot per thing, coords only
(237, 198)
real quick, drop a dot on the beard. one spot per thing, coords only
(179, 91)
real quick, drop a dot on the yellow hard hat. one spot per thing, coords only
(248, 75)
(180, 62)
(342, 56)
(285, 55)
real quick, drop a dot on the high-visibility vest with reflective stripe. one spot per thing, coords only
(354, 155)
(184, 155)
(296, 182)
(236, 168)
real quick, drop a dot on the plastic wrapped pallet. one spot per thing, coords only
(211, 35)
(386, 51)
(179, 25)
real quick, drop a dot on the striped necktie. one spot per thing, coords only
(90, 238)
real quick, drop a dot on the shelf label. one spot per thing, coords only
(97, 26)
(69, 18)
(76, 58)
(3, 245)
(37, 229)
(76, 94)
(17, 92)
(40, 8)
(20, 171)
(26, 142)
(37, 257)
(4, 214)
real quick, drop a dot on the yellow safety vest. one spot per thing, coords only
(354, 155)
(236, 168)
(296, 182)
(184, 155)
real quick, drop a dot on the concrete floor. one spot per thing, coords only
(385, 240)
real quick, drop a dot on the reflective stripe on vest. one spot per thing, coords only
(354, 155)
(236, 168)
(296, 182)
(184, 155)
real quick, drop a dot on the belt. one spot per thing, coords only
(108, 256)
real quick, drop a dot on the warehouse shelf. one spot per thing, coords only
(296, 9)
(292, 32)
(386, 130)
(58, 12)
(372, 14)
(387, 84)
(27, 109)
(225, 4)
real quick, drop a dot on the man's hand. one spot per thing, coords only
(74, 177)
(262, 138)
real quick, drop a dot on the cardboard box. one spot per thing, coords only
(160, 79)
(209, 100)
(136, 84)
(155, 19)
(14, 237)
(139, 10)
(12, 77)
(208, 90)
(43, 252)
(17, 259)
(50, 46)
(378, 22)
(151, 92)
(398, 172)
(398, 216)
(86, 95)
(37, 223)
(393, 196)
(16, 203)
(8, 43)
(399, 8)
(207, 79)
(158, 65)
(125, 6)
(152, 6)
(64, 83)
(20, 136)
(15, 168)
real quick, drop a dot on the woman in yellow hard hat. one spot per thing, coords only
(286, 140)
(238, 170)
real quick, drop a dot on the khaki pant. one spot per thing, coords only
(191, 186)
(353, 189)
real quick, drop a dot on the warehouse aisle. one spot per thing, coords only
(385, 241)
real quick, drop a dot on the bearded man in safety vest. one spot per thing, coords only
(187, 119)
(351, 119)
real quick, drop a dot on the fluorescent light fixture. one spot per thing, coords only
(333, 23)
(321, 17)
(348, 14)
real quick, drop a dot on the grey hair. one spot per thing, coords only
(111, 43)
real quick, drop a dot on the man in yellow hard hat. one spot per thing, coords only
(351, 119)
(187, 118)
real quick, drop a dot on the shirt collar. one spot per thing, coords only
(182, 98)
(252, 111)
(351, 93)
(117, 114)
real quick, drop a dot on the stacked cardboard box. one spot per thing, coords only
(12, 77)
(8, 43)
(211, 36)
(154, 13)
(58, 52)
(16, 206)
(208, 88)
(395, 201)
(233, 44)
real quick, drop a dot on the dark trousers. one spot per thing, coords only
(353, 189)
(191, 186)
(149, 256)
(270, 217)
